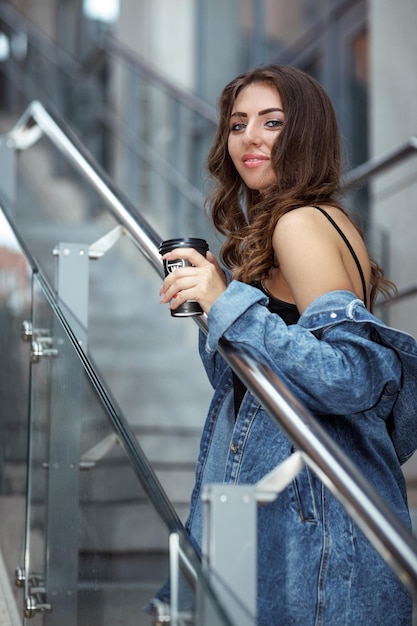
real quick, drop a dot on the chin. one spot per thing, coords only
(260, 185)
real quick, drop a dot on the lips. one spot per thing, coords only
(254, 160)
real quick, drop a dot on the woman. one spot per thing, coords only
(299, 288)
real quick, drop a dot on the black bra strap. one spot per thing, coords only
(351, 250)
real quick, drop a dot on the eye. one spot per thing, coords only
(236, 127)
(274, 123)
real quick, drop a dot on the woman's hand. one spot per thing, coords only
(204, 281)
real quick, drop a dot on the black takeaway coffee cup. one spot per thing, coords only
(190, 307)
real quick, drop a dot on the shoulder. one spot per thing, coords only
(302, 224)
(300, 217)
(319, 224)
(313, 257)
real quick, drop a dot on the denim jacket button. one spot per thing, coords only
(234, 447)
(333, 315)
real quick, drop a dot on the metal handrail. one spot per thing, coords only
(375, 166)
(384, 530)
(361, 174)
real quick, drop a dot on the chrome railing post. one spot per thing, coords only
(7, 168)
(72, 284)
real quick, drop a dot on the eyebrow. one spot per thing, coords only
(263, 112)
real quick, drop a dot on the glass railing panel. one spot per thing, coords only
(15, 298)
(143, 353)
(95, 541)
(88, 515)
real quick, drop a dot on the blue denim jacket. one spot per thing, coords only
(358, 377)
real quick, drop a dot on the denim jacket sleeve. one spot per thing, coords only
(334, 366)
(213, 362)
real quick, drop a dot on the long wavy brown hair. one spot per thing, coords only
(306, 159)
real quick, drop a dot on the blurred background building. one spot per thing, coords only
(137, 82)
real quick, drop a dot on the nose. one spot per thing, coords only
(252, 135)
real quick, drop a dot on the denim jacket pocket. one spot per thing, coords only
(303, 485)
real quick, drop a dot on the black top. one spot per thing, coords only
(351, 250)
(289, 312)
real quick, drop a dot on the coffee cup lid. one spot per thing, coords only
(183, 242)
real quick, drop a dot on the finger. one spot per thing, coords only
(171, 281)
(190, 254)
(176, 299)
(176, 284)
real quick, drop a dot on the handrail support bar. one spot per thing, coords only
(229, 558)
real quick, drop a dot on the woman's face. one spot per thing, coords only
(255, 123)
